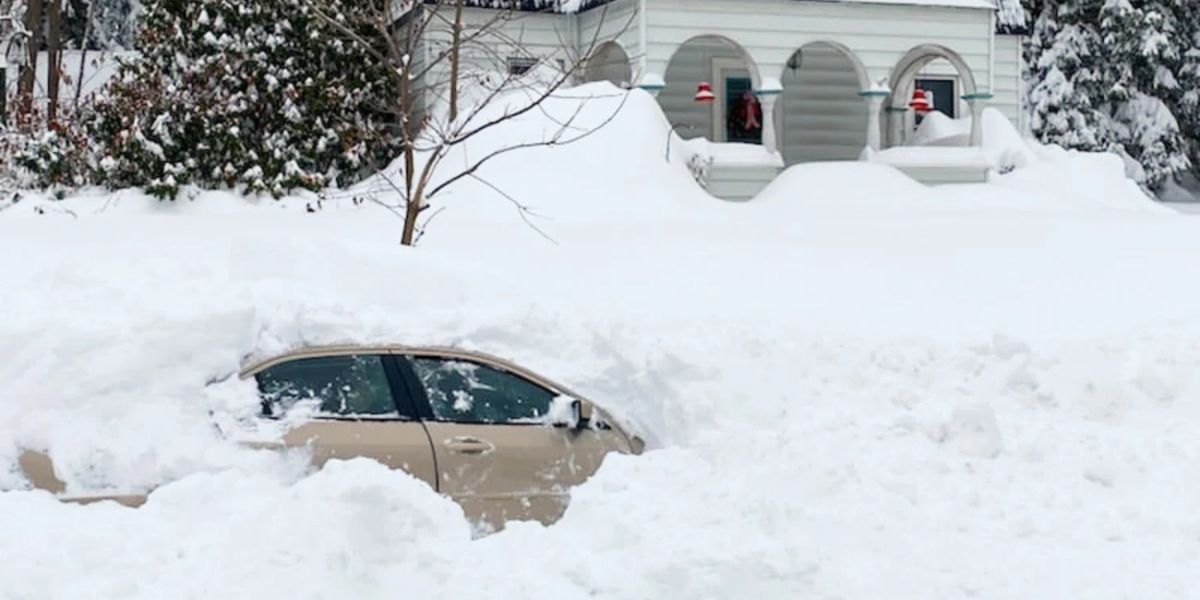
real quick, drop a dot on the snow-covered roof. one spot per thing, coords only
(946, 3)
(571, 6)
(562, 6)
(1010, 17)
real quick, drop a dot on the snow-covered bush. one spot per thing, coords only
(700, 165)
(101, 24)
(57, 157)
(1121, 76)
(37, 155)
(258, 95)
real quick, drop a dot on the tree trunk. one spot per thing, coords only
(455, 44)
(33, 24)
(53, 59)
(83, 49)
(4, 95)
(409, 129)
(411, 212)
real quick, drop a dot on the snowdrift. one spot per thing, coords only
(911, 393)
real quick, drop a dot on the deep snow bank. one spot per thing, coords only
(844, 400)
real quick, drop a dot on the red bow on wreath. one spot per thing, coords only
(750, 112)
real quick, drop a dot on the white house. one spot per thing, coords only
(807, 80)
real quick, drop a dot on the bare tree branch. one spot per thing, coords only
(410, 36)
(522, 210)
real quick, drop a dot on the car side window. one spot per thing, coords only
(468, 392)
(335, 385)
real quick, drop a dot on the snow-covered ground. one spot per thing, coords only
(853, 387)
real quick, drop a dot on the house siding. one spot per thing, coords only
(678, 98)
(1008, 94)
(821, 116)
(522, 35)
(771, 30)
(617, 21)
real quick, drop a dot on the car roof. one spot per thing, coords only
(256, 367)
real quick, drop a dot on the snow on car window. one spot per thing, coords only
(468, 392)
(333, 385)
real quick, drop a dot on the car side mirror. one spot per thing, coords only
(569, 413)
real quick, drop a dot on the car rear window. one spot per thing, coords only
(330, 385)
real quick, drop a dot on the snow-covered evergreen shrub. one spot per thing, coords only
(258, 94)
(1114, 75)
(101, 24)
(56, 156)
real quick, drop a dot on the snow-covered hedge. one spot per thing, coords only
(259, 94)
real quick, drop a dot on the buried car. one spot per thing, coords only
(503, 442)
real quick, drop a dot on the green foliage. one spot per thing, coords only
(262, 95)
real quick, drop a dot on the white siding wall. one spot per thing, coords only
(525, 35)
(771, 30)
(617, 21)
(536, 35)
(821, 115)
(1008, 95)
(689, 67)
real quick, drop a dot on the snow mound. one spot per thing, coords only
(845, 186)
(354, 526)
(618, 157)
(1082, 181)
(938, 129)
(1003, 146)
(856, 374)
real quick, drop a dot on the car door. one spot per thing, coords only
(351, 405)
(496, 454)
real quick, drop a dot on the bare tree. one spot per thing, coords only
(456, 57)
(33, 25)
(84, 42)
(54, 48)
(422, 40)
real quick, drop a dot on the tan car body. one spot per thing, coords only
(496, 472)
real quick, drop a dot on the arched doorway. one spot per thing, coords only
(734, 78)
(821, 115)
(610, 63)
(941, 69)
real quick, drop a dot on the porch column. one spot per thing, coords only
(768, 93)
(978, 102)
(897, 117)
(653, 83)
(875, 100)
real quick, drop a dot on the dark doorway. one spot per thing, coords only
(941, 93)
(744, 119)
